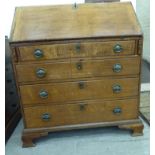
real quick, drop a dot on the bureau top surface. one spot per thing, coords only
(90, 20)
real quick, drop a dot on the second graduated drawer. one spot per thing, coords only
(77, 68)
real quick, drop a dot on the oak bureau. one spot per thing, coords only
(77, 66)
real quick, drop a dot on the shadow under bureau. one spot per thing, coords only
(77, 66)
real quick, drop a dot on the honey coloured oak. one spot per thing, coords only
(43, 71)
(77, 67)
(79, 90)
(66, 22)
(105, 67)
(77, 49)
(82, 112)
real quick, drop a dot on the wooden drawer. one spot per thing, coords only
(83, 112)
(79, 90)
(78, 68)
(44, 52)
(105, 67)
(86, 49)
(43, 71)
(103, 49)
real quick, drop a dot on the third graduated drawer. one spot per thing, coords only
(78, 68)
(59, 92)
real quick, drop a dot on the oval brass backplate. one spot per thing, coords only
(117, 110)
(117, 88)
(46, 116)
(38, 53)
(43, 94)
(118, 48)
(40, 72)
(117, 67)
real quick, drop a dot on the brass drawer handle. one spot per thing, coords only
(79, 65)
(117, 68)
(38, 53)
(43, 94)
(40, 72)
(82, 106)
(118, 48)
(46, 117)
(77, 47)
(117, 110)
(117, 88)
(81, 85)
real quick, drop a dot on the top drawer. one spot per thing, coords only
(78, 49)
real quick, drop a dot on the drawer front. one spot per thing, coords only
(87, 49)
(44, 52)
(103, 49)
(79, 90)
(79, 68)
(43, 71)
(105, 67)
(83, 112)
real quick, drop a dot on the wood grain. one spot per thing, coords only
(68, 91)
(94, 111)
(30, 134)
(137, 128)
(66, 70)
(65, 22)
(87, 49)
(78, 59)
(104, 67)
(58, 70)
(28, 138)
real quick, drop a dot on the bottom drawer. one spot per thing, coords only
(83, 112)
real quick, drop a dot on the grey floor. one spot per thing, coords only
(100, 141)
